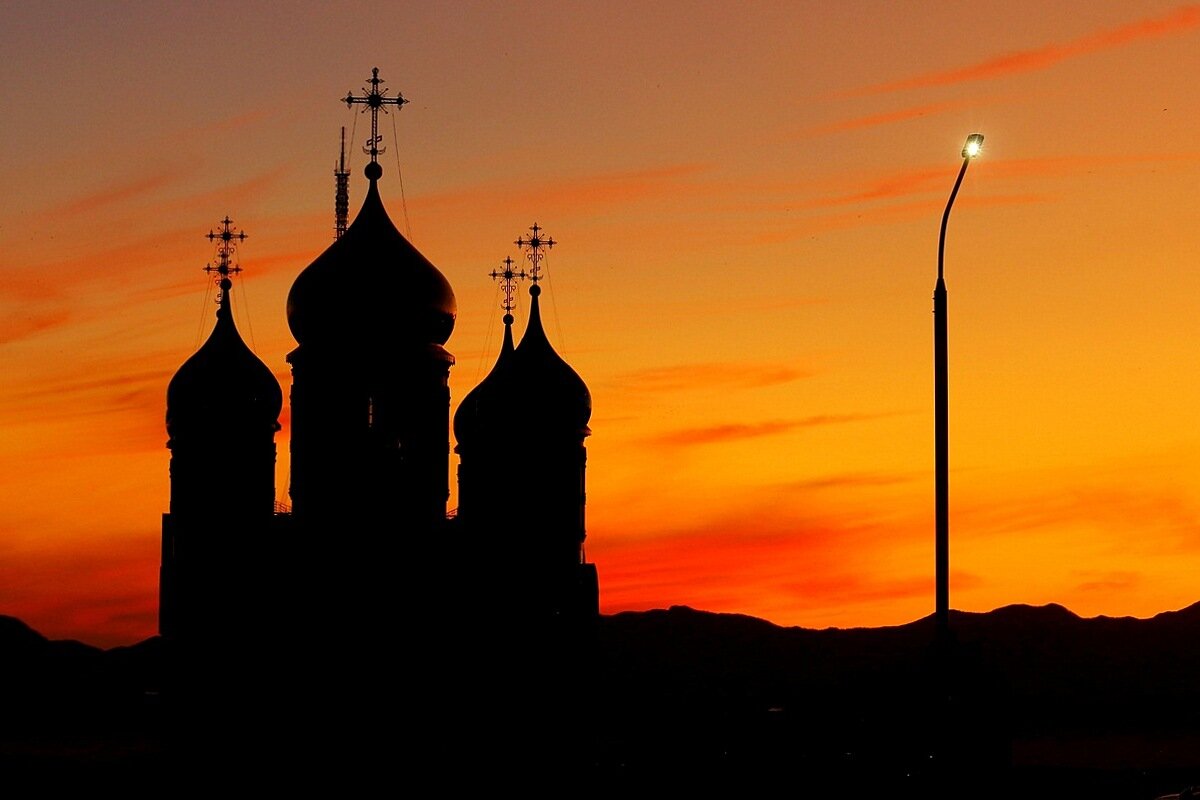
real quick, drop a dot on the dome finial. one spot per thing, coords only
(223, 380)
(509, 278)
(226, 239)
(374, 100)
(535, 244)
(530, 376)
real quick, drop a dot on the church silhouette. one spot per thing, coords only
(280, 608)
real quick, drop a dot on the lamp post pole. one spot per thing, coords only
(941, 402)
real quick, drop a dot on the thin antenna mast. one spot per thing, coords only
(341, 201)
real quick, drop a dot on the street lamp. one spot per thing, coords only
(941, 404)
(973, 146)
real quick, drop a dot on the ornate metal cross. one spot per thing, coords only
(374, 100)
(535, 244)
(227, 239)
(509, 285)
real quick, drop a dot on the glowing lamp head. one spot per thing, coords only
(973, 146)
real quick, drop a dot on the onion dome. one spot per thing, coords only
(490, 392)
(531, 380)
(546, 385)
(371, 288)
(223, 381)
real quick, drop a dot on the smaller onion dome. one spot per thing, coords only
(545, 384)
(371, 288)
(490, 392)
(223, 381)
(530, 382)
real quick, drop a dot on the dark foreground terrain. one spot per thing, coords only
(1027, 702)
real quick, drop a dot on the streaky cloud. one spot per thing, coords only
(887, 215)
(707, 375)
(15, 329)
(1182, 19)
(114, 394)
(931, 180)
(795, 567)
(849, 480)
(1108, 581)
(901, 184)
(851, 587)
(119, 193)
(239, 192)
(235, 122)
(28, 283)
(1166, 519)
(582, 192)
(885, 118)
(737, 431)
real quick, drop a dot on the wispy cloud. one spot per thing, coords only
(711, 375)
(71, 267)
(15, 328)
(732, 432)
(932, 180)
(30, 281)
(900, 184)
(739, 552)
(117, 193)
(850, 480)
(1077, 165)
(116, 391)
(1107, 581)
(237, 122)
(268, 262)
(1142, 519)
(886, 117)
(888, 214)
(853, 588)
(146, 188)
(767, 562)
(582, 192)
(1181, 20)
(237, 193)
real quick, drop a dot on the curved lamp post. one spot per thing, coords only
(942, 409)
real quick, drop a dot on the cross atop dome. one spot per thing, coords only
(535, 244)
(374, 100)
(227, 239)
(508, 277)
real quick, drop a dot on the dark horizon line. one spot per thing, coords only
(677, 607)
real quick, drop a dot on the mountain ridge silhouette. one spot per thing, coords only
(1110, 704)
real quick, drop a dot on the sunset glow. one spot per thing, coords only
(745, 203)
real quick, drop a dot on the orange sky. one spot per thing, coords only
(747, 200)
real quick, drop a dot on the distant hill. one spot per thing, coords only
(1058, 668)
(1110, 704)
(43, 680)
(686, 692)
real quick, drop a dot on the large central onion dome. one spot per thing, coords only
(223, 380)
(371, 288)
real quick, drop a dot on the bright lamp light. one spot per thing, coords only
(973, 146)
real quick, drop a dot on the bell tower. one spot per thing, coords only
(520, 439)
(370, 395)
(223, 409)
